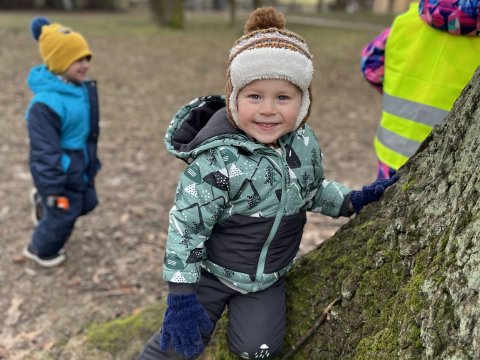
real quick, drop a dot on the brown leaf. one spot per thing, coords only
(48, 345)
(14, 312)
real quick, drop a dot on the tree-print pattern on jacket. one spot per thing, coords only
(229, 174)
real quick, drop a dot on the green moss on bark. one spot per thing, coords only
(117, 336)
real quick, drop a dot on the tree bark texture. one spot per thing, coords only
(399, 281)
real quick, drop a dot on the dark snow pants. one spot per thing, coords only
(56, 225)
(256, 321)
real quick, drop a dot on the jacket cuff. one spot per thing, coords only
(181, 288)
(345, 208)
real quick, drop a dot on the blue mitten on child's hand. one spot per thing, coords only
(184, 319)
(370, 193)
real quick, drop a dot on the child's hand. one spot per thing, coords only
(185, 318)
(371, 193)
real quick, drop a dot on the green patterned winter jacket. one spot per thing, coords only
(240, 206)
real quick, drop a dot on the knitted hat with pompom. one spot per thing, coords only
(59, 46)
(268, 51)
(457, 17)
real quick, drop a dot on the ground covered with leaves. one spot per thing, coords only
(144, 75)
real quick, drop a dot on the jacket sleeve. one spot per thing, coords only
(331, 199)
(199, 203)
(44, 128)
(373, 60)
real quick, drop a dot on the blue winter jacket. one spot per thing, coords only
(62, 121)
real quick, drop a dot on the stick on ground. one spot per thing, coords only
(323, 317)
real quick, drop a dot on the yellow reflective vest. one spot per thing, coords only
(425, 72)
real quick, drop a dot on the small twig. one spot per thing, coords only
(323, 317)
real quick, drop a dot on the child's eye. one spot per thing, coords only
(254, 96)
(282, 97)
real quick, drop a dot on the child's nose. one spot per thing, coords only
(268, 107)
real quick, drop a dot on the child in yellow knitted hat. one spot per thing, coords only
(62, 120)
(59, 46)
(254, 170)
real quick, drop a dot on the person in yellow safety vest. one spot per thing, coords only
(420, 65)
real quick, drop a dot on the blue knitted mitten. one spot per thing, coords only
(184, 319)
(370, 193)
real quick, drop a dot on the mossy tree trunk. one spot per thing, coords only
(407, 269)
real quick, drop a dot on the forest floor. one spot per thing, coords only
(144, 75)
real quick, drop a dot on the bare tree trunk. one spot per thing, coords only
(157, 9)
(381, 6)
(177, 18)
(320, 6)
(168, 13)
(232, 11)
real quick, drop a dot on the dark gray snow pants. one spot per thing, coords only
(256, 321)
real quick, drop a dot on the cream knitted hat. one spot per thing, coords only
(268, 51)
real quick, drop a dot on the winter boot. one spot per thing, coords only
(37, 207)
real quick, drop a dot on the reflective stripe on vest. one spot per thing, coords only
(414, 111)
(398, 143)
(425, 72)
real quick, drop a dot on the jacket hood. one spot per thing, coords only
(201, 125)
(457, 17)
(42, 80)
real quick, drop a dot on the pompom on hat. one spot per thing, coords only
(59, 46)
(457, 17)
(268, 51)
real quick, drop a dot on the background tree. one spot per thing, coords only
(168, 12)
(232, 12)
(256, 4)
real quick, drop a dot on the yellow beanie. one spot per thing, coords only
(59, 46)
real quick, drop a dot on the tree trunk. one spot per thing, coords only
(232, 12)
(402, 279)
(256, 4)
(157, 10)
(177, 13)
(168, 13)
(381, 6)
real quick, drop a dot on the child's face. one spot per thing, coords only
(77, 72)
(268, 109)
